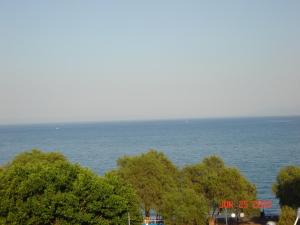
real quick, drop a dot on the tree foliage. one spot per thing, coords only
(287, 216)
(152, 175)
(161, 187)
(287, 186)
(45, 188)
(184, 196)
(184, 207)
(218, 182)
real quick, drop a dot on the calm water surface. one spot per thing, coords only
(259, 147)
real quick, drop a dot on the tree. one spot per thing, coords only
(45, 188)
(218, 182)
(184, 207)
(287, 216)
(152, 175)
(160, 187)
(287, 186)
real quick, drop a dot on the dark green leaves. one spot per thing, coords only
(287, 186)
(152, 175)
(218, 182)
(44, 188)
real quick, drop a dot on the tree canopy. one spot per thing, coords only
(184, 196)
(152, 175)
(45, 188)
(287, 186)
(184, 206)
(218, 182)
(160, 186)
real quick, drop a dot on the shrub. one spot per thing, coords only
(287, 216)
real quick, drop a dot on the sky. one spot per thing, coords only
(75, 61)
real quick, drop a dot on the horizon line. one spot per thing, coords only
(146, 120)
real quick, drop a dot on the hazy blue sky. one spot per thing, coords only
(119, 60)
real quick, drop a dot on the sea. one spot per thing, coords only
(258, 147)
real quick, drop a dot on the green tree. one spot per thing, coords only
(152, 175)
(287, 186)
(184, 207)
(218, 182)
(45, 188)
(287, 216)
(162, 188)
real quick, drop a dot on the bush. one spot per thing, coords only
(45, 188)
(287, 216)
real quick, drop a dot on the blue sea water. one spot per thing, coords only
(259, 147)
